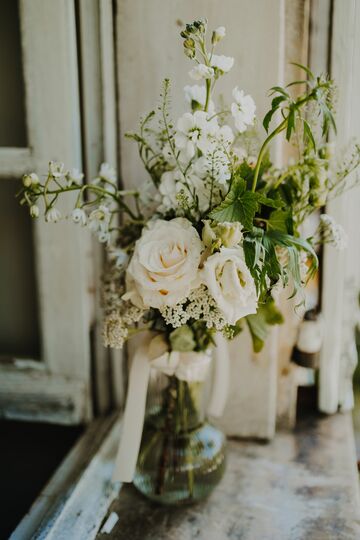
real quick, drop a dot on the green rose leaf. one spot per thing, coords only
(182, 339)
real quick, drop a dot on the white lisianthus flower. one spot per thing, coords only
(201, 71)
(53, 215)
(78, 216)
(195, 131)
(243, 110)
(230, 283)
(74, 176)
(99, 220)
(56, 169)
(164, 266)
(222, 63)
(196, 96)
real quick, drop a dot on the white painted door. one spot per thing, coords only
(44, 289)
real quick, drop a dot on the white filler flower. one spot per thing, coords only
(164, 266)
(200, 71)
(78, 216)
(197, 94)
(195, 131)
(230, 283)
(243, 110)
(222, 63)
(53, 215)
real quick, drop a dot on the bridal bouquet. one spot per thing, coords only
(200, 248)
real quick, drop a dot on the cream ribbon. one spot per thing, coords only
(152, 352)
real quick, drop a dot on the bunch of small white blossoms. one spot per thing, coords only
(217, 226)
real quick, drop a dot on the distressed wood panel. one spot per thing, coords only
(62, 252)
(15, 162)
(342, 270)
(50, 503)
(149, 49)
(29, 393)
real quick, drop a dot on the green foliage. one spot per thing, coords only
(267, 315)
(182, 339)
(238, 205)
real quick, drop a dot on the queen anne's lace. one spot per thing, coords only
(200, 305)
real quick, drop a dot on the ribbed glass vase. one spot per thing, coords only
(182, 456)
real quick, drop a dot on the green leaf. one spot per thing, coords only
(290, 123)
(267, 119)
(280, 90)
(304, 68)
(239, 205)
(308, 135)
(267, 201)
(281, 220)
(296, 82)
(267, 314)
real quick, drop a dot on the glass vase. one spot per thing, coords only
(182, 456)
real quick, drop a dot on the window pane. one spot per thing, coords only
(19, 323)
(12, 102)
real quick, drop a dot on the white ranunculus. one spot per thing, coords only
(243, 110)
(197, 94)
(201, 71)
(230, 283)
(222, 63)
(164, 266)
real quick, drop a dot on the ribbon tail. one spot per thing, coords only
(221, 377)
(133, 420)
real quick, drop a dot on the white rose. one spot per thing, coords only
(230, 283)
(164, 266)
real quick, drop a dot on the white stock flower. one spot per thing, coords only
(99, 220)
(169, 187)
(74, 176)
(218, 34)
(164, 266)
(222, 63)
(197, 94)
(194, 131)
(230, 283)
(53, 215)
(243, 110)
(78, 216)
(201, 71)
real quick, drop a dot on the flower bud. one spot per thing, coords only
(182, 339)
(34, 211)
(208, 234)
(189, 43)
(27, 182)
(218, 35)
(229, 233)
(190, 53)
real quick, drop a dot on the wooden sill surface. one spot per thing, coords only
(301, 486)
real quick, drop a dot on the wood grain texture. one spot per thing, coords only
(301, 486)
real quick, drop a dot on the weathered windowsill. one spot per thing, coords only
(303, 485)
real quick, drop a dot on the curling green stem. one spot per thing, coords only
(263, 149)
